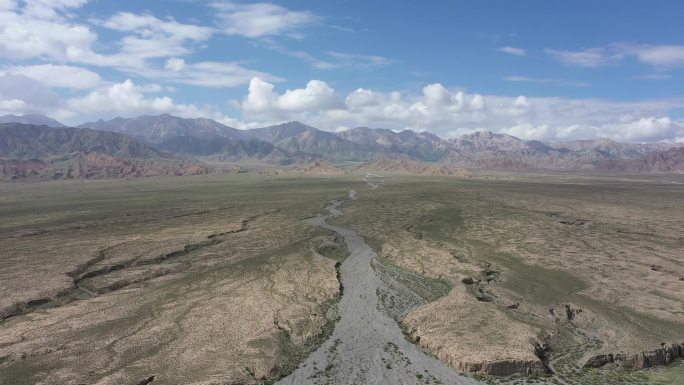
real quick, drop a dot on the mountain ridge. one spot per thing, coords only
(297, 143)
(42, 152)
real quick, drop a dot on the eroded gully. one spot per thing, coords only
(367, 346)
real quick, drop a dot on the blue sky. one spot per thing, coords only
(534, 69)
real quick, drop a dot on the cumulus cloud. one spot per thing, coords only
(26, 37)
(453, 112)
(262, 100)
(129, 99)
(12, 106)
(261, 19)
(642, 129)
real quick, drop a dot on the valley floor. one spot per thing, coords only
(249, 279)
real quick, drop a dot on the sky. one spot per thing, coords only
(535, 69)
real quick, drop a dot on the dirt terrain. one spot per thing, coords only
(549, 273)
(199, 281)
(256, 279)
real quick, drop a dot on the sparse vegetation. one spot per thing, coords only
(131, 274)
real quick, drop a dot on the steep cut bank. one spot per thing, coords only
(647, 359)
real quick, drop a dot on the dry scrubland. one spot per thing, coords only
(559, 267)
(191, 280)
(220, 280)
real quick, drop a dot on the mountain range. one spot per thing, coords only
(173, 142)
(42, 152)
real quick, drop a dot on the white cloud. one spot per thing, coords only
(521, 101)
(477, 103)
(331, 60)
(125, 97)
(642, 129)
(23, 37)
(10, 106)
(261, 19)
(660, 56)
(652, 77)
(38, 34)
(591, 57)
(262, 100)
(355, 60)
(316, 95)
(452, 112)
(655, 55)
(362, 98)
(50, 9)
(58, 75)
(6, 5)
(34, 93)
(175, 64)
(128, 99)
(549, 81)
(205, 74)
(151, 37)
(150, 26)
(513, 51)
(21, 95)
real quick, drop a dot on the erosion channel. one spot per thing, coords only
(367, 346)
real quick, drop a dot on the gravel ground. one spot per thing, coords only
(367, 345)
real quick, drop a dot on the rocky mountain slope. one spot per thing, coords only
(41, 152)
(157, 129)
(299, 139)
(417, 145)
(196, 137)
(664, 161)
(298, 143)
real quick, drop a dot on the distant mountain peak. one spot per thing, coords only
(36, 119)
(155, 129)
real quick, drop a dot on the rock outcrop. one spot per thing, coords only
(406, 165)
(20, 168)
(501, 368)
(646, 359)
